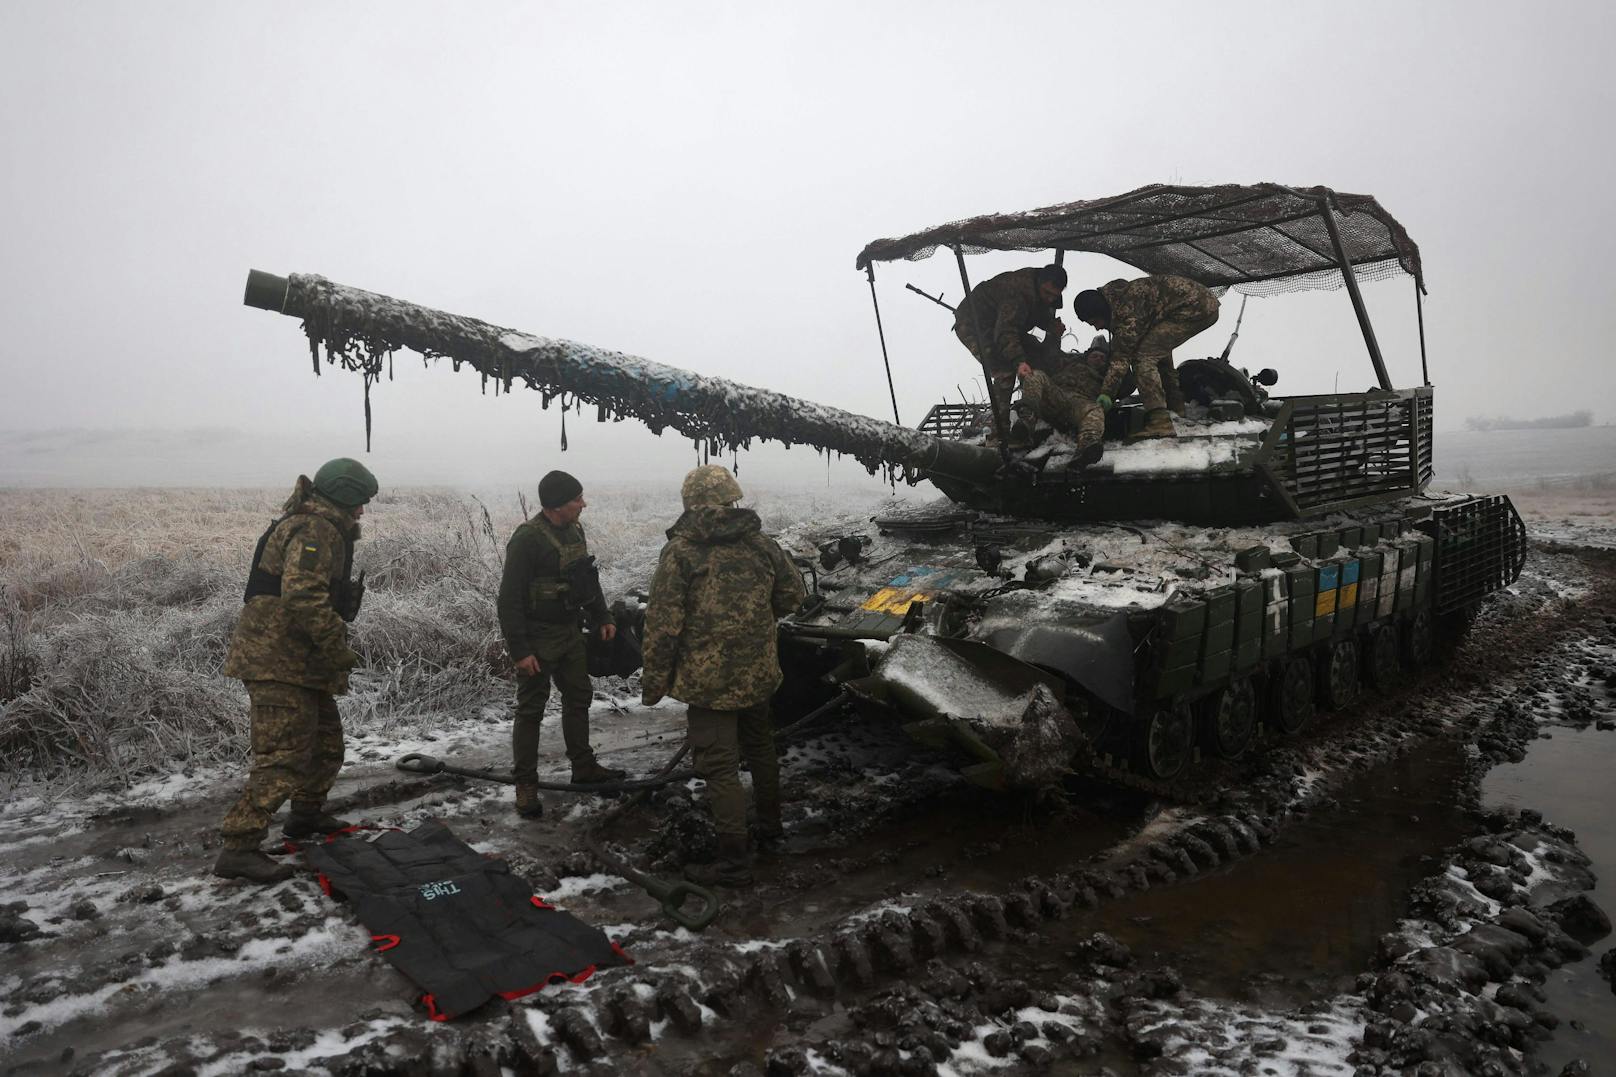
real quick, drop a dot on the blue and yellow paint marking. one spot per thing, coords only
(917, 583)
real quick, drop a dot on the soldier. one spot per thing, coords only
(290, 646)
(1148, 318)
(1007, 307)
(549, 586)
(711, 641)
(1066, 394)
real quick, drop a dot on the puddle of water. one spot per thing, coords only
(1307, 912)
(1568, 779)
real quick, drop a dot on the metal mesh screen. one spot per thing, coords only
(955, 421)
(1334, 451)
(1480, 548)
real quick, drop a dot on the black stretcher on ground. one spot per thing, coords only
(458, 923)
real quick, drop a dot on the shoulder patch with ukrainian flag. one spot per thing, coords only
(310, 558)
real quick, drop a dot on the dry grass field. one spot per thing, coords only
(116, 607)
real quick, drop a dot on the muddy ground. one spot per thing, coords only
(1363, 898)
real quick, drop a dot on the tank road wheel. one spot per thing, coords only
(1340, 684)
(1383, 662)
(1292, 689)
(1419, 640)
(1168, 741)
(1231, 719)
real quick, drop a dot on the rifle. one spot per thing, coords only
(1229, 347)
(938, 299)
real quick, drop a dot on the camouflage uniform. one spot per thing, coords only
(292, 651)
(539, 615)
(1008, 306)
(1149, 318)
(711, 640)
(1064, 395)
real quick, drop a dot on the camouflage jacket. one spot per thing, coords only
(540, 607)
(1008, 305)
(1138, 306)
(297, 637)
(710, 626)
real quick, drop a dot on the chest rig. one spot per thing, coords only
(346, 594)
(560, 595)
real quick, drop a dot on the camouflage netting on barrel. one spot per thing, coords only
(360, 330)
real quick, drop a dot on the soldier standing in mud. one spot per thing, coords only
(711, 641)
(1006, 308)
(1065, 393)
(549, 591)
(291, 648)
(1148, 318)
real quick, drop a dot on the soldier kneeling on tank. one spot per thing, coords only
(711, 641)
(549, 595)
(290, 647)
(1148, 318)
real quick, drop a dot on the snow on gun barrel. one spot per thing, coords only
(360, 330)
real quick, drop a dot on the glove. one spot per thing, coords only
(1105, 402)
(347, 659)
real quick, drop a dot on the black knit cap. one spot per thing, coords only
(558, 488)
(1091, 303)
(1055, 274)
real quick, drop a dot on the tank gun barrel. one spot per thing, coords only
(361, 329)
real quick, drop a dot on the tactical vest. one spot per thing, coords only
(552, 597)
(260, 581)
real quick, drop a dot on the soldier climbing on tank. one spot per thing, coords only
(549, 594)
(290, 647)
(1006, 308)
(1148, 318)
(1065, 393)
(711, 641)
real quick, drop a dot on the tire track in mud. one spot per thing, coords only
(889, 947)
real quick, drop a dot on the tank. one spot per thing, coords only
(1174, 603)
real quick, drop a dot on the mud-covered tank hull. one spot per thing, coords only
(1161, 644)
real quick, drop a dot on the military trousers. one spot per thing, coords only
(719, 741)
(1153, 366)
(296, 755)
(569, 670)
(1066, 407)
(989, 356)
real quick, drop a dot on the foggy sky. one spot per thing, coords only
(691, 183)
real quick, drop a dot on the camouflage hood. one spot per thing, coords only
(710, 525)
(304, 499)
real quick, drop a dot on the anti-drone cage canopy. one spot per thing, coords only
(1265, 235)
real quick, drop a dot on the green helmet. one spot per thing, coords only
(347, 482)
(709, 485)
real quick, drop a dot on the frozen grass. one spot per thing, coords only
(116, 607)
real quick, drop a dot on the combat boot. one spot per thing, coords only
(770, 835)
(1089, 454)
(732, 868)
(307, 823)
(252, 865)
(1158, 424)
(528, 804)
(1175, 397)
(590, 772)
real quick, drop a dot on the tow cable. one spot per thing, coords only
(672, 896)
